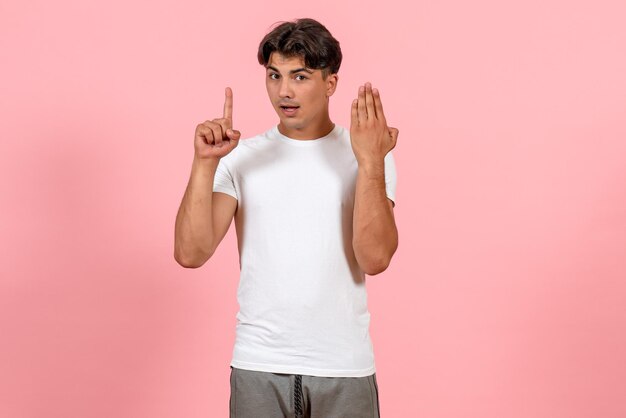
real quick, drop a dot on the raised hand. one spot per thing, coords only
(216, 138)
(370, 136)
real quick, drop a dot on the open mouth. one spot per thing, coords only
(289, 110)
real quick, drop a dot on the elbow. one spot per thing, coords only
(372, 265)
(190, 262)
(375, 263)
(374, 268)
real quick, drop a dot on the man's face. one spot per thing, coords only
(299, 95)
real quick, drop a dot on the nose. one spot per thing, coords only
(285, 89)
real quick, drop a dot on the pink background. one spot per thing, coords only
(507, 295)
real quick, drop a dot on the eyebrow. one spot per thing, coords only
(297, 70)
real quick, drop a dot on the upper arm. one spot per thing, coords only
(223, 209)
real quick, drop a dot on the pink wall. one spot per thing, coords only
(506, 297)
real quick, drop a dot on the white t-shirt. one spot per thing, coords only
(302, 296)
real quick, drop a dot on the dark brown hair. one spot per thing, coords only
(307, 38)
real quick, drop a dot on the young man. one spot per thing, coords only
(313, 209)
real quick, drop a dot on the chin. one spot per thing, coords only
(291, 123)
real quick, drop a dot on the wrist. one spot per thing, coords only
(204, 165)
(372, 168)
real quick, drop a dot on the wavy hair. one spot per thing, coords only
(306, 38)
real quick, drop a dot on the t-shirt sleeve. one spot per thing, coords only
(390, 177)
(223, 181)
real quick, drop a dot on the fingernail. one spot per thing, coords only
(361, 89)
(375, 91)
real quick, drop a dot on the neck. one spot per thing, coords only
(312, 131)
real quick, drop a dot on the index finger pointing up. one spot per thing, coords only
(228, 104)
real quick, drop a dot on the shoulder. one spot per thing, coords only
(343, 134)
(249, 143)
(342, 130)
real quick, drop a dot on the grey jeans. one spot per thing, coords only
(256, 394)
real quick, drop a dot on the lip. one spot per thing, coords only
(289, 112)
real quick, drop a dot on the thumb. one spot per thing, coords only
(393, 132)
(233, 134)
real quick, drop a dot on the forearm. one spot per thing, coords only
(375, 236)
(194, 221)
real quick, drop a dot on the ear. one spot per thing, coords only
(331, 84)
